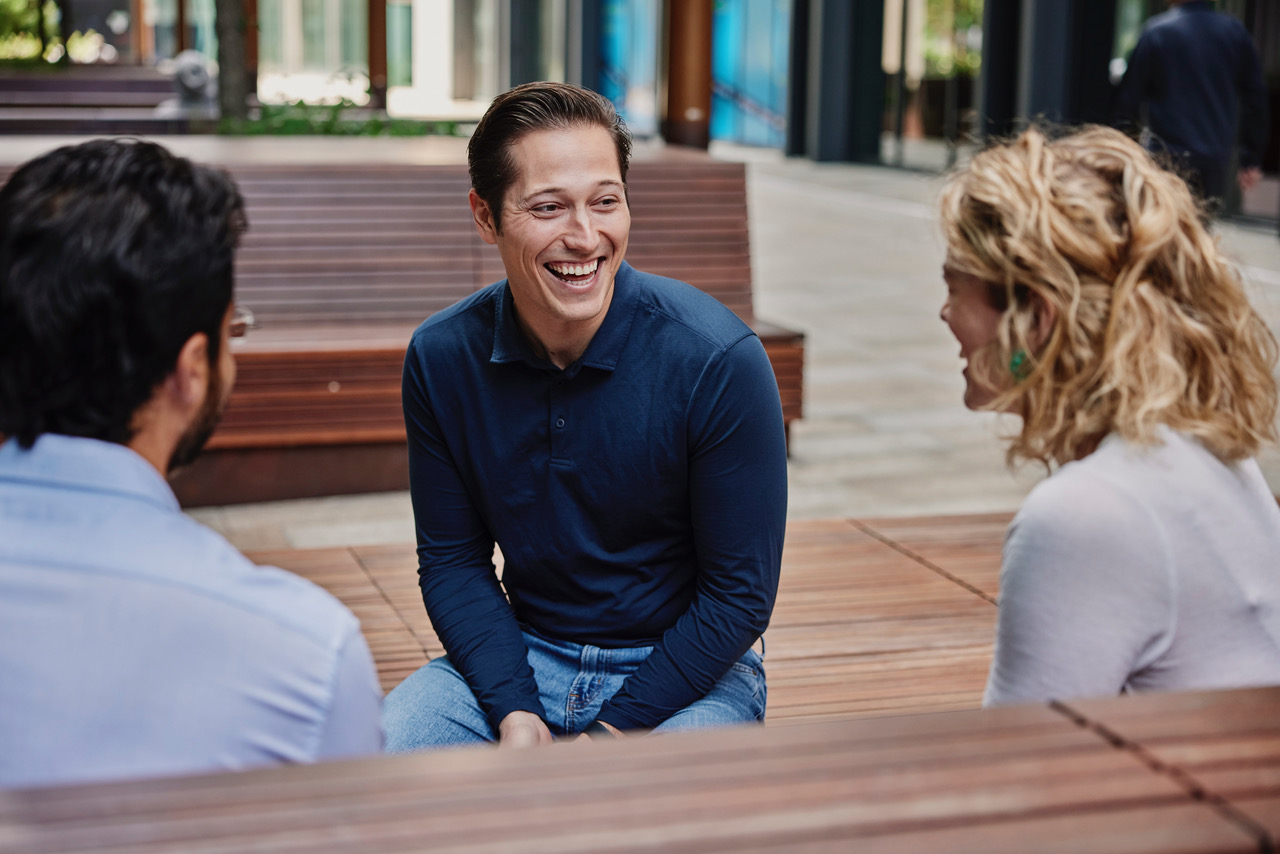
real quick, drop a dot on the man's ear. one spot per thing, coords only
(483, 216)
(189, 381)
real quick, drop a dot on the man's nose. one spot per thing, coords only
(581, 230)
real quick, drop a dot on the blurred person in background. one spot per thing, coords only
(1090, 302)
(1196, 74)
(134, 641)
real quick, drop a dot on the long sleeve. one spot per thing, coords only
(1086, 594)
(460, 589)
(1253, 106)
(738, 483)
(354, 726)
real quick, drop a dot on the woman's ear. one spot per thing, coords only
(1044, 317)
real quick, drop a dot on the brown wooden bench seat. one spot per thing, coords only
(342, 261)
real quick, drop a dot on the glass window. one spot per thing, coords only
(399, 44)
(354, 32)
(314, 27)
(270, 34)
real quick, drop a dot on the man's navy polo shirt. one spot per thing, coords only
(638, 495)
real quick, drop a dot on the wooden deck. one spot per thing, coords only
(873, 617)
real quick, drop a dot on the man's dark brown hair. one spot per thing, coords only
(524, 110)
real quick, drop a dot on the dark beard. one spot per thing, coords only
(192, 441)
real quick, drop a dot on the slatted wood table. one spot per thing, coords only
(1034, 778)
(874, 618)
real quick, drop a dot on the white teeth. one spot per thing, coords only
(576, 269)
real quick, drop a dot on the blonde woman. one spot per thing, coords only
(1089, 300)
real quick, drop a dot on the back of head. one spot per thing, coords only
(113, 254)
(1150, 322)
(526, 109)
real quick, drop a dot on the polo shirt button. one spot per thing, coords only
(560, 423)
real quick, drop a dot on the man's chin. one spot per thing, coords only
(190, 445)
(193, 441)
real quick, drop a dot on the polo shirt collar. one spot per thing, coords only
(86, 465)
(605, 349)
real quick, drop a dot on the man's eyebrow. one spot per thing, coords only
(607, 182)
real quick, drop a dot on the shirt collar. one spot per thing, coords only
(510, 344)
(86, 465)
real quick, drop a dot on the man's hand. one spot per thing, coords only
(1249, 178)
(523, 729)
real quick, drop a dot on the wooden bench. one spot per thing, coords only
(88, 100)
(342, 262)
(874, 618)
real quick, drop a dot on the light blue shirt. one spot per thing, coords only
(136, 642)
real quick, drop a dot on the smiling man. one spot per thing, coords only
(618, 435)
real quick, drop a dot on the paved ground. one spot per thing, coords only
(851, 255)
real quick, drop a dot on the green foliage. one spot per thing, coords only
(17, 16)
(947, 29)
(341, 119)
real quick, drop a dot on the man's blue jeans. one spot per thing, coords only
(435, 707)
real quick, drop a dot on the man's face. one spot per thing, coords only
(565, 225)
(221, 380)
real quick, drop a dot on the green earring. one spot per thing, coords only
(1019, 365)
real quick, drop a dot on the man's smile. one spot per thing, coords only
(574, 273)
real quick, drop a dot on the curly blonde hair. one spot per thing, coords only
(1150, 323)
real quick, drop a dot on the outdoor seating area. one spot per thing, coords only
(874, 618)
(880, 647)
(343, 260)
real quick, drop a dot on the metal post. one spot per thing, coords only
(377, 42)
(900, 95)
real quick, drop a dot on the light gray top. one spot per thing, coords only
(1140, 569)
(135, 642)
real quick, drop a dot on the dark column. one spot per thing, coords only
(583, 40)
(251, 31)
(1093, 33)
(180, 27)
(845, 87)
(798, 80)
(1065, 79)
(998, 104)
(686, 119)
(377, 54)
(524, 40)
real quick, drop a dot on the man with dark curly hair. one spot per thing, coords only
(134, 641)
